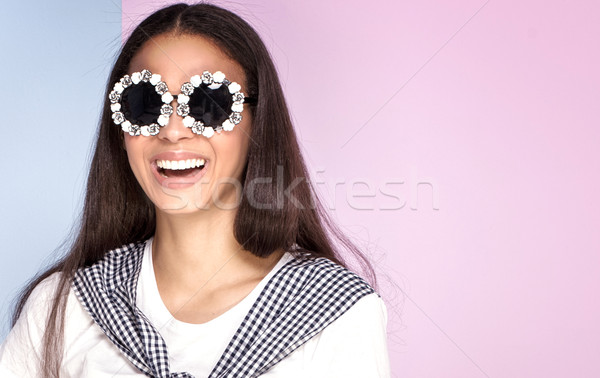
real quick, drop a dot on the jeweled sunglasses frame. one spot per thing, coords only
(187, 89)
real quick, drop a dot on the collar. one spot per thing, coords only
(289, 311)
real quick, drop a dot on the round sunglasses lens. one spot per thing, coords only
(211, 106)
(141, 104)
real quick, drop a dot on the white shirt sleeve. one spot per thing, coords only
(20, 354)
(354, 345)
(357, 341)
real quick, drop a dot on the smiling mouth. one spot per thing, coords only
(180, 168)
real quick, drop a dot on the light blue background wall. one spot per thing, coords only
(54, 62)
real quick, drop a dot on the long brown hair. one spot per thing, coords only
(116, 211)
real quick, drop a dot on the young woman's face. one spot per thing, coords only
(177, 59)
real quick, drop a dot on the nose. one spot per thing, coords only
(175, 130)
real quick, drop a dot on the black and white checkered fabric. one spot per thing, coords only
(298, 302)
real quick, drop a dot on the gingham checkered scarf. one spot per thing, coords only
(300, 300)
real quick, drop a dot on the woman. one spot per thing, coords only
(202, 249)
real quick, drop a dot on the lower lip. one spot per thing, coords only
(178, 182)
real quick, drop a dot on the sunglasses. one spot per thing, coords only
(209, 103)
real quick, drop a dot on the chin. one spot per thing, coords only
(195, 200)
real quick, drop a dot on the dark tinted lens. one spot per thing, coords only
(211, 106)
(141, 104)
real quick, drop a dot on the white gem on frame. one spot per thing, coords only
(153, 129)
(188, 121)
(136, 77)
(198, 127)
(115, 107)
(161, 88)
(126, 81)
(187, 88)
(235, 118)
(166, 109)
(228, 125)
(208, 132)
(196, 80)
(218, 77)
(146, 75)
(207, 78)
(134, 130)
(234, 87)
(114, 97)
(167, 98)
(155, 79)
(237, 107)
(118, 117)
(182, 99)
(118, 88)
(163, 120)
(183, 110)
(145, 131)
(238, 97)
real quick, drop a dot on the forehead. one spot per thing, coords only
(177, 58)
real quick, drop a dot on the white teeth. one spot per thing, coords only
(180, 164)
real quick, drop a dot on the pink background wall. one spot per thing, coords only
(493, 108)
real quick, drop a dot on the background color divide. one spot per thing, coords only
(457, 143)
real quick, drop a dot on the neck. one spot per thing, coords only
(193, 249)
(194, 241)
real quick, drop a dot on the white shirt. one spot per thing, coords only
(354, 345)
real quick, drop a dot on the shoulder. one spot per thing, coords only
(354, 345)
(35, 312)
(322, 271)
(323, 284)
(327, 288)
(368, 316)
(114, 269)
(20, 353)
(42, 296)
